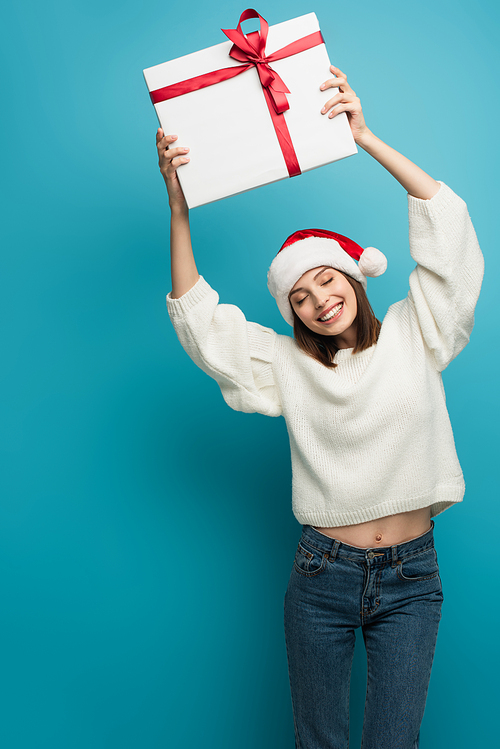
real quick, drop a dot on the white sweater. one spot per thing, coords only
(371, 437)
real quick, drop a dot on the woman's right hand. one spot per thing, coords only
(169, 160)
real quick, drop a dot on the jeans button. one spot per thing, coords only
(370, 555)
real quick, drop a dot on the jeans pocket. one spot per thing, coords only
(309, 561)
(420, 566)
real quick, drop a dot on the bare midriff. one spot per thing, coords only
(393, 529)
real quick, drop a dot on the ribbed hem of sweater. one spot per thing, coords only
(177, 308)
(443, 200)
(449, 494)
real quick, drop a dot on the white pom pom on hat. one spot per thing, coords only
(372, 262)
(311, 248)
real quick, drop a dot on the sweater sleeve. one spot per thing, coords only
(445, 285)
(236, 353)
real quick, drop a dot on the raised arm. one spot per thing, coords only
(182, 263)
(236, 353)
(445, 284)
(414, 180)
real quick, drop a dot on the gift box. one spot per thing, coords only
(250, 108)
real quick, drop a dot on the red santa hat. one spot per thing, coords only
(311, 248)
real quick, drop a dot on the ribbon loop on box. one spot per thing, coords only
(250, 49)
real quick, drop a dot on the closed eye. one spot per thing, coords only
(299, 302)
(330, 279)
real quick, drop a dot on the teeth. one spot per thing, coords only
(332, 313)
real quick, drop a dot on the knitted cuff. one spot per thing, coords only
(442, 201)
(178, 308)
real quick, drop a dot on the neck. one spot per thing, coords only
(347, 339)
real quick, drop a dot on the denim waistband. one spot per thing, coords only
(333, 547)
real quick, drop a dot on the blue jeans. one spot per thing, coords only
(394, 594)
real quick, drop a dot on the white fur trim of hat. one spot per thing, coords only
(311, 248)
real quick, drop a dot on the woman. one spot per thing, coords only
(373, 455)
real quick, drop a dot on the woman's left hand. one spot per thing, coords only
(345, 101)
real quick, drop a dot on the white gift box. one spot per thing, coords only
(228, 125)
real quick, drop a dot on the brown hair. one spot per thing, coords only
(322, 347)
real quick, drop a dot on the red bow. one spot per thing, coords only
(251, 49)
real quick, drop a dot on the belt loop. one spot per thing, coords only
(334, 549)
(394, 555)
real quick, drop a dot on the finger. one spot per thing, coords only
(179, 161)
(171, 153)
(177, 154)
(340, 83)
(160, 135)
(165, 140)
(339, 75)
(333, 83)
(337, 71)
(337, 99)
(347, 107)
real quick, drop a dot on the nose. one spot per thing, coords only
(321, 302)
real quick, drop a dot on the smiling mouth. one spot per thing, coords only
(332, 313)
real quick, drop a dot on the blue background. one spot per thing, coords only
(146, 529)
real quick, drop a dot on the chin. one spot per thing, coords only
(333, 330)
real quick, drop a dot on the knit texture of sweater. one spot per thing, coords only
(371, 437)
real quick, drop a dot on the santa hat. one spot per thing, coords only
(311, 248)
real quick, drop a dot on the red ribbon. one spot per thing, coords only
(250, 49)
